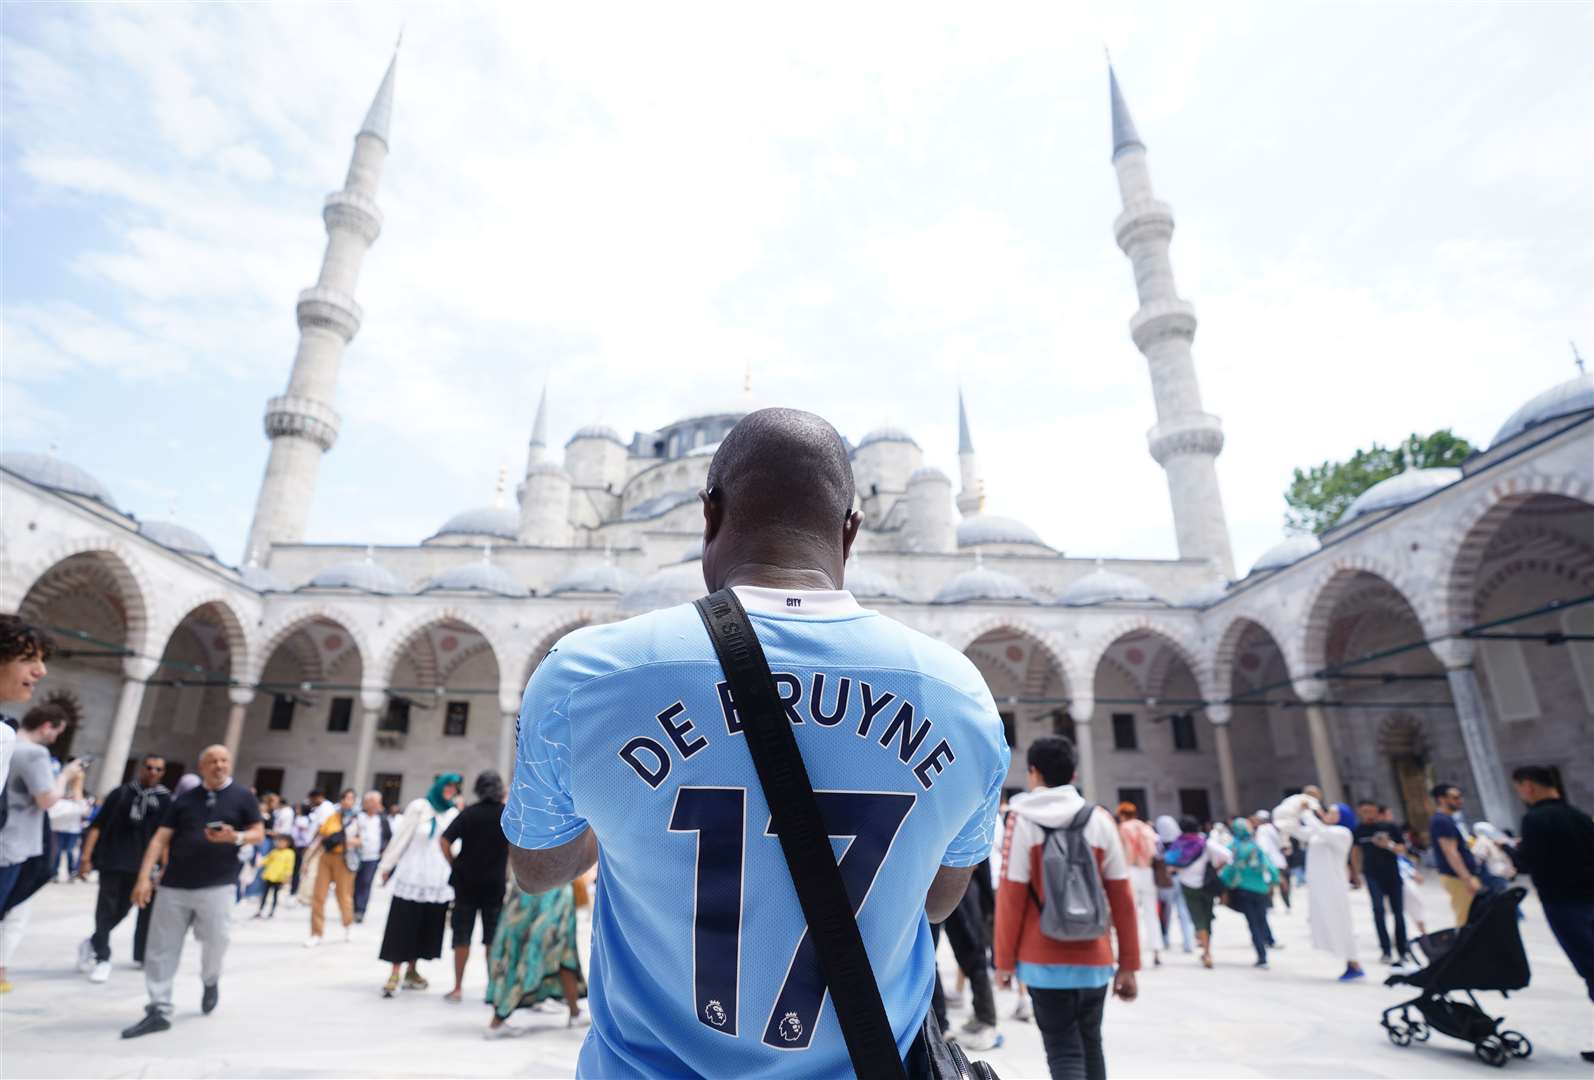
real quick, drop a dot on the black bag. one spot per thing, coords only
(1211, 883)
(805, 842)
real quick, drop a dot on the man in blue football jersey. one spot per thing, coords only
(629, 743)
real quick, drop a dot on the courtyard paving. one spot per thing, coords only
(293, 1012)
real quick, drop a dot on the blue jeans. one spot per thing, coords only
(66, 843)
(1172, 900)
(8, 881)
(1573, 927)
(1253, 905)
(1377, 893)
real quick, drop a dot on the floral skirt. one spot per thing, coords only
(536, 939)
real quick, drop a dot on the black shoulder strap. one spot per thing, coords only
(804, 839)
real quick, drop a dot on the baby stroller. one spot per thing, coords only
(1486, 954)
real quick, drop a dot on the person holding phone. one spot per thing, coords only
(197, 842)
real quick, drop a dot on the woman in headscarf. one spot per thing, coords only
(534, 958)
(1328, 843)
(421, 892)
(1190, 854)
(1250, 876)
(1169, 897)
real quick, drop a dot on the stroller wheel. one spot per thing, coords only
(1421, 1031)
(1516, 1043)
(1491, 1051)
(1400, 1036)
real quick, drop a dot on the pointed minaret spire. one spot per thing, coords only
(539, 427)
(971, 499)
(545, 493)
(302, 424)
(1186, 440)
(1124, 134)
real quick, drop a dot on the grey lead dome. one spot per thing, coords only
(1399, 490)
(983, 584)
(49, 471)
(476, 577)
(1106, 586)
(482, 521)
(1287, 552)
(364, 576)
(177, 537)
(993, 529)
(1573, 396)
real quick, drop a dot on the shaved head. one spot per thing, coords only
(779, 498)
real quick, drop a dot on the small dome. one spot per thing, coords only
(496, 521)
(927, 473)
(476, 577)
(678, 584)
(260, 579)
(1206, 595)
(984, 585)
(602, 577)
(172, 535)
(887, 434)
(51, 472)
(863, 580)
(364, 575)
(1573, 396)
(984, 529)
(597, 431)
(1402, 489)
(1102, 586)
(1287, 552)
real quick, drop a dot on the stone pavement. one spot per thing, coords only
(290, 1011)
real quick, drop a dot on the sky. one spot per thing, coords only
(1383, 220)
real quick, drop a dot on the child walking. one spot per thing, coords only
(277, 869)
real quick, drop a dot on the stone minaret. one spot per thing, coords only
(971, 497)
(1186, 441)
(302, 424)
(545, 492)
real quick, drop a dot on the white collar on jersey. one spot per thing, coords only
(797, 601)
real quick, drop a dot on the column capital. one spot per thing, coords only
(1080, 708)
(241, 695)
(1220, 712)
(1310, 691)
(1454, 653)
(373, 698)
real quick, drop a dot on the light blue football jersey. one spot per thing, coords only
(700, 959)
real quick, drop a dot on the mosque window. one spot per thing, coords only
(391, 785)
(267, 779)
(330, 782)
(1183, 727)
(281, 713)
(1123, 732)
(1196, 802)
(1505, 666)
(456, 718)
(397, 717)
(1136, 795)
(341, 714)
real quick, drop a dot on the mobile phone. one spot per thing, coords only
(215, 826)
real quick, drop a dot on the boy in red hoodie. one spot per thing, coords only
(1067, 980)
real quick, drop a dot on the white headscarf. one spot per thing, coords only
(1167, 829)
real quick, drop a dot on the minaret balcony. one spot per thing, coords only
(1158, 320)
(330, 310)
(1197, 433)
(353, 211)
(303, 418)
(1142, 220)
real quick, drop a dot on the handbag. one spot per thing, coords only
(805, 842)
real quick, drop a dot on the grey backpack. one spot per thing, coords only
(1076, 903)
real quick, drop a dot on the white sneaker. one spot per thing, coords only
(85, 956)
(101, 972)
(1021, 1010)
(980, 1038)
(348, 934)
(312, 941)
(503, 1031)
(579, 1018)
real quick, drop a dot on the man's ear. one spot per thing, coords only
(849, 532)
(713, 515)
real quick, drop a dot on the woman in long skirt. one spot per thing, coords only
(421, 892)
(534, 958)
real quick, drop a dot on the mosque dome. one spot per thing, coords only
(927, 472)
(1287, 552)
(49, 471)
(364, 575)
(1206, 595)
(982, 529)
(886, 434)
(597, 431)
(863, 580)
(1102, 586)
(678, 584)
(602, 577)
(260, 579)
(1402, 489)
(1573, 396)
(983, 584)
(496, 521)
(476, 577)
(172, 535)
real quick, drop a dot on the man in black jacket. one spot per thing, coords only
(115, 843)
(1557, 848)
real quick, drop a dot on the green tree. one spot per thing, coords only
(1319, 495)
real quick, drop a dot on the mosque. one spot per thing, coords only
(1443, 628)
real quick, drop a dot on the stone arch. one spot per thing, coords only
(297, 618)
(1225, 652)
(1477, 526)
(400, 641)
(1326, 590)
(240, 660)
(1180, 643)
(132, 582)
(1054, 651)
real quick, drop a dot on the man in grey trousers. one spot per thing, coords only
(198, 843)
